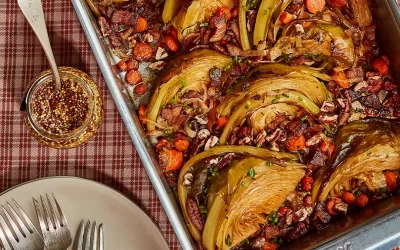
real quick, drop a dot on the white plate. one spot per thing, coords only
(126, 226)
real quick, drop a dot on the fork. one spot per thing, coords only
(90, 237)
(25, 235)
(55, 233)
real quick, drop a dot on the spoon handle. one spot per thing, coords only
(33, 12)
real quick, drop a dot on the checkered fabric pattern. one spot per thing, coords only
(109, 157)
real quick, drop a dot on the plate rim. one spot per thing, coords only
(92, 182)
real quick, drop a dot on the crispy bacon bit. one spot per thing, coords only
(219, 24)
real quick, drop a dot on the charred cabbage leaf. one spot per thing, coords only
(363, 150)
(225, 187)
(185, 72)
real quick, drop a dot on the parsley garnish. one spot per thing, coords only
(243, 183)
(285, 95)
(272, 219)
(204, 25)
(269, 163)
(214, 171)
(252, 173)
(184, 84)
(203, 209)
(228, 240)
(349, 139)
(303, 118)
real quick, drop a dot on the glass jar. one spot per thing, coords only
(46, 126)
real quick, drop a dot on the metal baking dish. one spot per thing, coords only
(375, 227)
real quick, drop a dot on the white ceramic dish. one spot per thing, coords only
(126, 226)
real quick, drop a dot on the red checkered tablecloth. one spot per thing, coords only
(109, 157)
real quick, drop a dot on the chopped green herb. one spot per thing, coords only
(204, 25)
(369, 154)
(186, 107)
(269, 163)
(214, 171)
(251, 173)
(243, 183)
(272, 219)
(349, 139)
(246, 241)
(184, 84)
(167, 131)
(287, 57)
(203, 209)
(235, 59)
(304, 117)
(173, 101)
(285, 95)
(276, 99)
(265, 12)
(228, 240)
(300, 98)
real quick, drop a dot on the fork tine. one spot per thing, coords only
(81, 233)
(32, 228)
(60, 212)
(3, 239)
(24, 229)
(39, 215)
(49, 222)
(53, 212)
(7, 230)
(87, 236)
(94, 235)
(101, 237)
(14, 226)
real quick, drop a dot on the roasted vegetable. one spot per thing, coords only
(364, 149)
(233, 185)
(343, 47)
(94, 4)
(249, 106)
(264, 15)
(186, 72)
(194, 163)
(362, 12)
(244, 38)
(171, 8)
(199, 11)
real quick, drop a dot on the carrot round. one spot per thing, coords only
(133, 77)
(172, 43)
(314, 6)
(340, 78)
(143, 52)
(286, 17)
(391, 181)
(297, 143)
(141, 24)
(381, 66)
(349, 198)
(222, 121)
(181, 144)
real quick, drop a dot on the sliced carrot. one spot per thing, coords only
(141, 24)
(224, 12)
(140, 89)
(338, 3)
(133, 77)
(286, 17)
(327, 147)
(181, 144)
(171, 159)
(222, 121)
(314, 6)
(381, 66)
(174, 33)
(143, 52)
(132, 64)
(283, 210)
(349, 198)
(330, 204)
(142, 109)
(172, 43)
(270, 246)
(297, 143)
(122, 65)
(391, 181)
(163, 143)
(362, 200)
(306, 183)
(341, 79)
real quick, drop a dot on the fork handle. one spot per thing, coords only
(33, 12)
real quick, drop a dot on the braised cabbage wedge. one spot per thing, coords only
(185, 72)
(242, 194)
(364, 149)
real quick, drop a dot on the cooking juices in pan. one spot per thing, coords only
(269, 117)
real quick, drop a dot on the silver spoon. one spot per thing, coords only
(33, 12)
